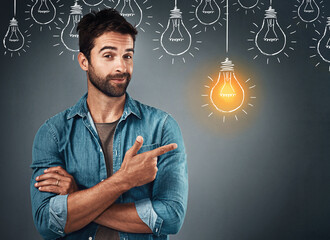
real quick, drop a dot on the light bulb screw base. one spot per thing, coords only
(76, 9)
(227, 65)
(270, 13)
(13, 22)
(175, 13)
(328, 21)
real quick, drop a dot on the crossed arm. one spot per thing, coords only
(96, 203)
(52, 208)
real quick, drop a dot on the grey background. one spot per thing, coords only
(263, 177)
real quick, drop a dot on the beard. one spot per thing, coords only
(106, 86)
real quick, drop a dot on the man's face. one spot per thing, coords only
(111, 63)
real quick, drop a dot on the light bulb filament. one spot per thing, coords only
(176, 35)
(13, 36)
(328, 44)
(309, 8)
(43, 8)
(271, 35)
(227, 89)
(127, 10)
(75, 21)
(208, 9)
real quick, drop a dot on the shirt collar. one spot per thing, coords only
(81, 108)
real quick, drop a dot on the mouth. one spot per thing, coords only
(118, 80)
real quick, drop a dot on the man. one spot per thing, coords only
(108, 167)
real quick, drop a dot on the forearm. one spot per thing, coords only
(84, 206)
(123, 217)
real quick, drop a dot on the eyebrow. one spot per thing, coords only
(115, 49)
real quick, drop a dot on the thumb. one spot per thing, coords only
(137, 145)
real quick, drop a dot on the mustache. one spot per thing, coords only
(119, 75)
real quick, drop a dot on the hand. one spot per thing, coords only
(56, 180)
(142, 168)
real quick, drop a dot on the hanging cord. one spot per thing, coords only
(227, 42)
(14, 8)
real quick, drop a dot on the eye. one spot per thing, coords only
(128, 56)
(108, 56)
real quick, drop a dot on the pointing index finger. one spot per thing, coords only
(163, 149)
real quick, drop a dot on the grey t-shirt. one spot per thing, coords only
(106, 132)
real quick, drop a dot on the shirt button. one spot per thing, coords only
(100, 149)
(102, 180)
(156, 230)
(60, 231)
(90, 238)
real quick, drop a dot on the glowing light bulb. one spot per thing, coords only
(176, 39)
(248, 4)
(308, 11)
(208, 12)
(227, 95)
(69, 35)
(323, 46)
(14, 39)
(43, 11)
(92, 3)
(131, 10)
(270, 40)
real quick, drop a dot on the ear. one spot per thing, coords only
(83, 61)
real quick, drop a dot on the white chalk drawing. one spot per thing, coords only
(14, 40)
(92, 3)
(227, 86)
(68, 37)
(44, 13)
(248, 5)
(321, 45)
(136, 12)
(308, 12)
(131, 10)
(227, 95)
(270, 39)
(97, 5)
(175, 39)
(207, 13)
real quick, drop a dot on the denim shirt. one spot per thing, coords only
(70, 140)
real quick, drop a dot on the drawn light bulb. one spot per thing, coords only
(248, 4)
(92, 3)
(208, 12)
(69, 35)
(270, 40)
(43, 11)
(323, 46)
(308, 11)
(176, 39)
(131, 10)
(227, 95)
(14, 39)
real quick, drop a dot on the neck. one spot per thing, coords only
(104, 109)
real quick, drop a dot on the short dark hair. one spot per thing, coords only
(94, 24)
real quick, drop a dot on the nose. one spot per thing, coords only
(120, 65)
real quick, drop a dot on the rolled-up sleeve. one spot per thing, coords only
(165, 213)
(49, 210)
